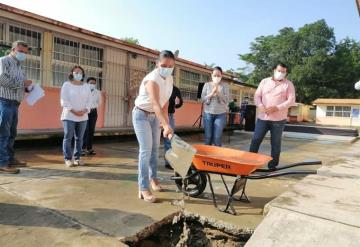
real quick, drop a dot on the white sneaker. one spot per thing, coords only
(69, 163)
(79, 163)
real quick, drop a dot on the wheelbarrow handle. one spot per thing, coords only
(305, 163)
(279, 174)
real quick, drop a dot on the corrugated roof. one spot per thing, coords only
(337, 101)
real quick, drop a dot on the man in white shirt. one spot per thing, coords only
(357, 86)
(95, 101)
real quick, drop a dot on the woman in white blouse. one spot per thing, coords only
(150, 110)
(75, 101)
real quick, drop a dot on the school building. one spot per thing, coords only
(118, 66)
(338, 112)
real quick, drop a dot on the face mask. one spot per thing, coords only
(92, 86)
(165, 72)
(77, 76)
(216, 79)
(279, 75)
(20, 56)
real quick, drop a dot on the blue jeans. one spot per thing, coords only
(8, 125)
(90, 130)
(276, 129)
(77, 130)
(167, 142)
(147, 130)
(214, 125)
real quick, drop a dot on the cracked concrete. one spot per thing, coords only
(95, 205)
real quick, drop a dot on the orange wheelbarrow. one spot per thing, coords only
(228, 162)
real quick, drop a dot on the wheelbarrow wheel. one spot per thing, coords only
(195, 185)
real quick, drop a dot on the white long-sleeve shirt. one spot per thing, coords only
(75, 97)
(357, 85)
(95, 99)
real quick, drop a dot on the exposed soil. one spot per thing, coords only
(184, 229)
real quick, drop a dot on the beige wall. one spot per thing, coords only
(123, 69)
(322, 119)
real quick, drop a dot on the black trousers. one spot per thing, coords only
(90, 130)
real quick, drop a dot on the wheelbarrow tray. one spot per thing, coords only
(236, 163)
(227, 161)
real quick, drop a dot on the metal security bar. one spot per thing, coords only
(10, 32)
(68, 53)
(189, 82)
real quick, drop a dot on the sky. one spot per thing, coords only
(213, 31)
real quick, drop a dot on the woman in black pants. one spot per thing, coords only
(95, 100)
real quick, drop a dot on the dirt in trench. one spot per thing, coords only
(189, 230)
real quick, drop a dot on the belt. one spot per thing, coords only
(147, 112)
(10, 102)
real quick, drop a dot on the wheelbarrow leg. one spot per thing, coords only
(212, 190)
(230, 198)
(242, 186)
(226, 209)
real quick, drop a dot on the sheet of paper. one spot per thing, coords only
(36, 94)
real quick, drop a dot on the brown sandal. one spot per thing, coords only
(155, 186)
(147, 196)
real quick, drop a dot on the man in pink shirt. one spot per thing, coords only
(273, 98)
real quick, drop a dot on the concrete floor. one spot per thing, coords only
(96, 205)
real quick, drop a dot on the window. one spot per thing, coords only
(250, 95)
(91, 56)
(68, 53)
(2, 32)
(189, 82)
(66, 50)
(151, 64)
(234, 94)
(4, 46)
(32, 65)
(338, 111)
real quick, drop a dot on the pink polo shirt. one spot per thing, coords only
(271, 93)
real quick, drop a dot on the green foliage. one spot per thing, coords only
(319, 66)
(131, 40)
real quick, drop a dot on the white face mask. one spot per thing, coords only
(77, 76)
(279, 75)
(92, 86)
(216, 79)
(165, 72)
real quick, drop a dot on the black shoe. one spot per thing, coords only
(83, 153)
(91, 152)
(9, 170)
(272, 167)
(167, 166)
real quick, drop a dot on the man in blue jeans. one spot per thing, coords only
(175, 102)
(13, 84)
(273, 98)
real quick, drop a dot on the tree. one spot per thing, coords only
(319, 67)
(131, 40)
(211, 65)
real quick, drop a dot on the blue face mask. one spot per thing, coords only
(165, 72)
(77, 76)
(20, 56)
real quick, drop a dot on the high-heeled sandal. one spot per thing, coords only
(155, 186)
(147, 196)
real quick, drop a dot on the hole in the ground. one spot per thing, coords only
(186, 229)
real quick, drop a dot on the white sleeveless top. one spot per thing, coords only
(165, 89)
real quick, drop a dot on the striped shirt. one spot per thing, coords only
(12, 79)
(217, 104)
